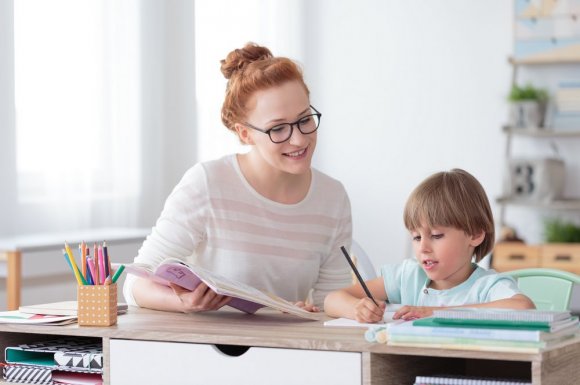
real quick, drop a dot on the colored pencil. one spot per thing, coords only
(118, 273)
(83, 258)
(78, 276)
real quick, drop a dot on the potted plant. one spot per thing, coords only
(562, 250)
(527, 106)
(558, 231)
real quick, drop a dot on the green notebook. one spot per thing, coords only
(496, 324)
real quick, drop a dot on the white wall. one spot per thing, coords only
(407, 88)
(168, 100)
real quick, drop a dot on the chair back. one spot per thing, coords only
(363, 263)
(549, 289)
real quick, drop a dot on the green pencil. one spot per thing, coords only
(118, 273)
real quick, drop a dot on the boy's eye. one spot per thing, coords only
(437, 236)
(417, 238)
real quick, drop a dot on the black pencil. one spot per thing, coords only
(360, 280)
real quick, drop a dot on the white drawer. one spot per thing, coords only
(147, 362)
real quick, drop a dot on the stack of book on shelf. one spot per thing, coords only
(62, 361)
(523, 331)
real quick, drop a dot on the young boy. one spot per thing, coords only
(450, 221)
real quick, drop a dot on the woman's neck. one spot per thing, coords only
(272, 183)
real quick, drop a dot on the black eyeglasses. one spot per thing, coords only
(282, 132)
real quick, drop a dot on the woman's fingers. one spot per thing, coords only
(202, 298)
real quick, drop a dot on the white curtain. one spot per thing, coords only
(77, 101)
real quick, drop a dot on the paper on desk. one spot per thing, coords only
(387, 318)
(17, 317)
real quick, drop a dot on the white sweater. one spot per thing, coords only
(215, 219)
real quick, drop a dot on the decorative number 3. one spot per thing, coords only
(524, 180)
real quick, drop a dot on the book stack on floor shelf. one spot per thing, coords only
(521, 331)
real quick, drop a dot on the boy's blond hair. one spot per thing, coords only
(452, 199)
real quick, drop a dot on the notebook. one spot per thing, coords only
(497, 324)
(465, 380)
(61, 308)
(502, 314)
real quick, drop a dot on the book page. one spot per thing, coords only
(225, 286)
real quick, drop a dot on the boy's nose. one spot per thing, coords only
(425, 245)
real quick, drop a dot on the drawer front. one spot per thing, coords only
(512, 255)
(148, 362)
(561, 256)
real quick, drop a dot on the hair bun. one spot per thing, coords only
(238, 59)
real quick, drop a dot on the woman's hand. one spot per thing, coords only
(202, 298)
(365, 311)
(408, 313)
(307, 306)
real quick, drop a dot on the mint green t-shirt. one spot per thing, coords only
(406, 283)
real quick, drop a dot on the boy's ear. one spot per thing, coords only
(243, 133)
(477, 238)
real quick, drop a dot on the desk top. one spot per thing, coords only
(50, 240)
(266, 328)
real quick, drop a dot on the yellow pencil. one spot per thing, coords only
(73, 264)
(84, 259)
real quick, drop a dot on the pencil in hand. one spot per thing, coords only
(358, 276)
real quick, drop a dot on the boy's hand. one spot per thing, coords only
(365, 311)
(408, 313)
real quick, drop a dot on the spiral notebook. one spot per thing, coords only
(465, 380)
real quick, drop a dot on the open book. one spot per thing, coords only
(244, 297)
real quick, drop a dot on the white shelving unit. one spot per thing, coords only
(540, 134)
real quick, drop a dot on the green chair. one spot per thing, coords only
(549, 289)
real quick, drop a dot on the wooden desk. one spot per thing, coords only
(378, 363)
(13, 249)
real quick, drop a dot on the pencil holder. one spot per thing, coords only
(97, 305)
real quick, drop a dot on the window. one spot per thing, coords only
(77, 105)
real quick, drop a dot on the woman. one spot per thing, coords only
(264, 218)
